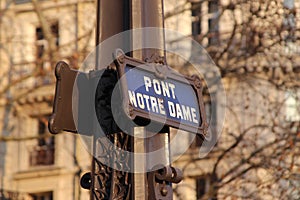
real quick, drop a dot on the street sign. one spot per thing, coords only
(77, 96)
(66, 101)
(150, 92)
(156, 92)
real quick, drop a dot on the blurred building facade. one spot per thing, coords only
(254, 45)
(36, 165)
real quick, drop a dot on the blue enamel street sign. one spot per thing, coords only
(156, 92)
(170, 98)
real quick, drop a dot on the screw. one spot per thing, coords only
(164, 191)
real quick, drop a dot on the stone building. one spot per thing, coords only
(33, 163)
(254, 45)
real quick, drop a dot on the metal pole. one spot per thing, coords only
(150, 14)
(113, 17)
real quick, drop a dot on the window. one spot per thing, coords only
(43, 152)
(42, 196)
(41, 41)
(196, 8)
(202, 186)
(292, 106)
(45, 66)
(289, 21)
(24, 1)
(196, 22)
(288, 4)
(9, 195)
(213, 21)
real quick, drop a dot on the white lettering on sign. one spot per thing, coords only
(140, 100)
(159, 87)
(147, 82)
(171, 109)
(156, 86)
(159, 103)
(147, 102)
(172, 86)
(194, 115)
(165, 89)
(153, 101)
(132, 98)
(186, 113)
(182, 112)
(178, 111)
(161, 106)
(146, 97)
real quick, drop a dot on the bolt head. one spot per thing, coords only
(164, 191)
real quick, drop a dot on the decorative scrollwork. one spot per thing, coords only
(155, 58)
(111, 183)
(160, 182)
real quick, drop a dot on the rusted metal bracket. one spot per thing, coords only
(160, 182)
(62, 117)
(76, 93)
(71, 110)
(158, 64)
(156, 58)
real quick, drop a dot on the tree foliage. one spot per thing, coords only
(256, 53)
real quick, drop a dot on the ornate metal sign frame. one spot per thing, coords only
(164, 73)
